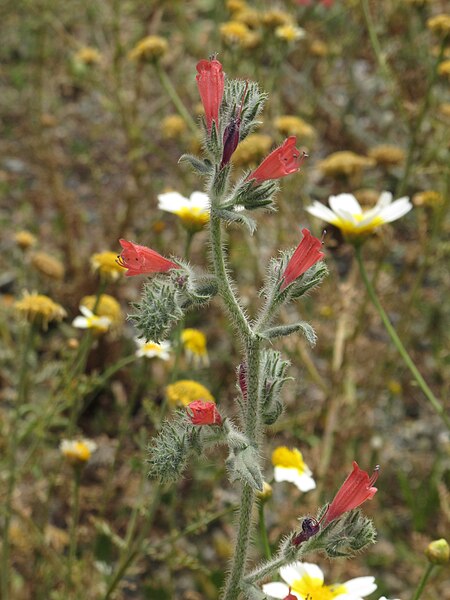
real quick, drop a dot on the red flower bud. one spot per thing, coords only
(305, 256)
(281, 162)
(242, 378)
(210, 83)
(203, 413)
(140, 260)
(356, 489)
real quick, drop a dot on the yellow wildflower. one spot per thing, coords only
(235, 33)
(444, 68)
(291, 125)
(105, 263)
(289, 33)
(106, 307)
(428, 198)
(318, 48)
(185, 391)
(173, 126)
(387, 155)
(252, 149)
(395, 387)
(24, 239)
(444, 109)
(344, 163)
(39, 309)
(236, 5)
(77, 452)
(88, 56)
(151, 48)
(194, 342)
(249, 17)
(440, 24)
(48, 265)
(275, 18)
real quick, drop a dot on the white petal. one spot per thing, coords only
(303, 481)
(384, 200)
(84, 310)
(297, 570)
(172, 201)
(360, 586)
(276, 589)
(80, 322)
(321, 212)
(200, 200)
(345, 202)
(396, 210)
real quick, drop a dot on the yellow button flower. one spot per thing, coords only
(345, 163)
(39, 309)
(24, 239)
(194, 342)
(150, 48)
(48, 265)
(290, 466)
(185, 391)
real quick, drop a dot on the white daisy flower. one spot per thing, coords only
(306, 580)
(77, 451)
(91, 321)
(347, 214)
(193, 211)
(152, 349)
(290, 466)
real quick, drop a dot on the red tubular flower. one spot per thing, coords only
(281, 162)
(210, 82)
(140, 260)
(203, 413)
(356, 489)
(305, 256)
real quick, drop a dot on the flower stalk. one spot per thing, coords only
(435, 403)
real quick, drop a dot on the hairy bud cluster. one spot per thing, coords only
(343, 537)
(272, 378)
(158, 310)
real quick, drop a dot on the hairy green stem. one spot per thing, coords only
(398, 344)
(423, 582)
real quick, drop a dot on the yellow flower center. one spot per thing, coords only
(152, 346)
(97, 323)
(289, 459)
(353, 229)
(79, 451)
(194, 341)
(193, 217)
(314, 589)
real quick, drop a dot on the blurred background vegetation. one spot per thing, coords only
(93, 123)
